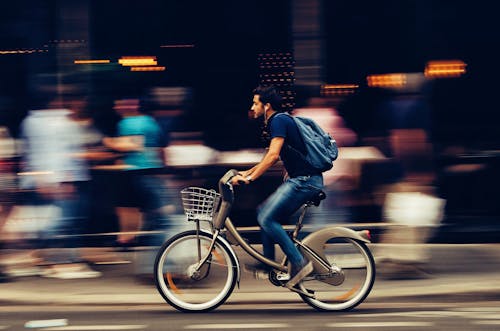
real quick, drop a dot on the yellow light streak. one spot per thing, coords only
(340, 86)
(91, 61)
(445, 68)
(133, 61)
(338, 89)
(386, 80)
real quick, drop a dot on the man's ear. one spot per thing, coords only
(267, 106)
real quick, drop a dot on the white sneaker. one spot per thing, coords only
(296, 275)
(23, 271)
(71, 271)
(86, 272)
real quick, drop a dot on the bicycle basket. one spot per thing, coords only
(199, 203)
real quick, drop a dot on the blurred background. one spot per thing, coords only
(407, 88)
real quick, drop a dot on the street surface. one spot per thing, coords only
(405, 315)
(461, 292)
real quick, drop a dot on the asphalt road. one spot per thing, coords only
(439, 314)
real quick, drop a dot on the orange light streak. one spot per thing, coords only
(145, 68)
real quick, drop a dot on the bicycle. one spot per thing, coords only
(197, 270)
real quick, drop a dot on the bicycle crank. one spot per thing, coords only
(278, 278)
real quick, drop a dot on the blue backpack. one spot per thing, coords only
(321, 148)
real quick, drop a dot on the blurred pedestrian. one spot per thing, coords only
(410, 205)
(55, 175)
(141, 141)
(7, 187)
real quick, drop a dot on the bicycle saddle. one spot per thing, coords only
(317, 198)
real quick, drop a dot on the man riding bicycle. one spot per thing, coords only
(301, 184)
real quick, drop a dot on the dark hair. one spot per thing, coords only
(271, 95)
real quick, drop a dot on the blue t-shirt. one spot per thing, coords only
(283, 125)
(147, 127)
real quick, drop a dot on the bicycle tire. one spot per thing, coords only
(348, 290)
(215, 282)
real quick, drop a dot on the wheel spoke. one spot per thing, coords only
(189, 288)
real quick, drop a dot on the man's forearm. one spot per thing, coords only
(267, 162)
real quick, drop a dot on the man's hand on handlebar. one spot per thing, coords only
(239, 179)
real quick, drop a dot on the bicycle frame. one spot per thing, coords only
(310, 245)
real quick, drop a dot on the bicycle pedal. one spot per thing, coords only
(282, 276)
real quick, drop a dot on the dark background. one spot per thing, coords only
(360, 38)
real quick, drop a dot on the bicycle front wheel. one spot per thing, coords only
(350, 280)
(188, 289)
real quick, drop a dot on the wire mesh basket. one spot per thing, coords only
(199, 203)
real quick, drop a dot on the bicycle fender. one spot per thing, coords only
(318, 238)
(316, 241)
(230, 249)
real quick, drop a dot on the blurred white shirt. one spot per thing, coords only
(51, 143)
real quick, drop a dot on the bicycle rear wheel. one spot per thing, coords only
(351, 285)
(202, 291)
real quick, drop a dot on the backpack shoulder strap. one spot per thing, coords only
(307, 121)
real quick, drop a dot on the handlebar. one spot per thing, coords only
(227, 177)
(227, 195)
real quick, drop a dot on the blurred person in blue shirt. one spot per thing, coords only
(141, 141)
(56, 174)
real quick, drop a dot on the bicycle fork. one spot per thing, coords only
(200, 270)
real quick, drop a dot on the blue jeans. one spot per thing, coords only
(278, 208)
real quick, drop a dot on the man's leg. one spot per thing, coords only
(285, 201)
(289, 197)
(268, 246)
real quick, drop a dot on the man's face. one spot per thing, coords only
(258, 108)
